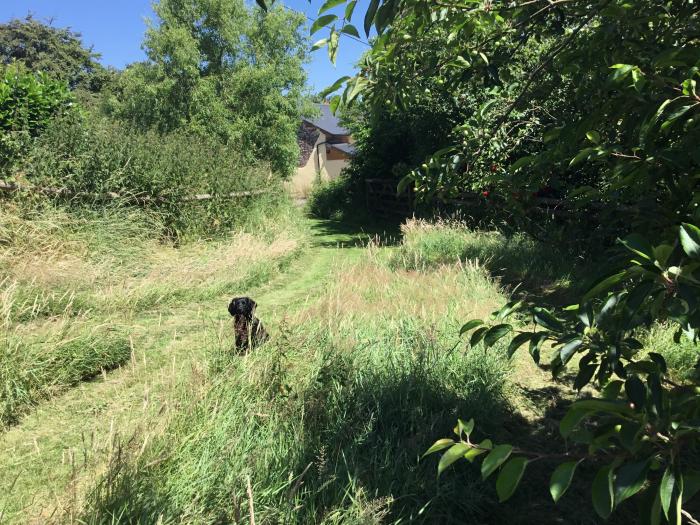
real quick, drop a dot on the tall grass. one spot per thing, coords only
(55, 259)
(40, 365)
(74, 281)
(516, 258)
(323, 431)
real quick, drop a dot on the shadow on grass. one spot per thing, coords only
(357, 459)
(351, 234)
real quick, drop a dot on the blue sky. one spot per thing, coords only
(115, 29)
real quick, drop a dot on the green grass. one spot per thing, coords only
(34, 368)
(326, 433)
(325, 423)
(517, 259)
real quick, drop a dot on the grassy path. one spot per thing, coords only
(56, 451)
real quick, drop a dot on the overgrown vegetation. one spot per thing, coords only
(593, 106)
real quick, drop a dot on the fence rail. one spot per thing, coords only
(10, 187)
(382, 200)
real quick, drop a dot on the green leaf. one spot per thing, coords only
(690, 239)
(334, 87)
(518, 341)
(465, 428)
(593, 136)
(522, 162)
(581, 156)
(495, 459)
(603, 405)
(547, 320)
(561, 479)
(636, 391)
(350, 29)
(639, 245)
(666, 489)
(509, 477)
(602, 492)
(570, 420)
(676, 115)
(335, 101)
(402, 186)
(470, 325)
(440, 444)
(319, 44)
(322, 21)
(481, 448)
(330, 4)
(477, 336)
(629, 479)
(569, 349)
(603, 285)
(357, 88)
(369, 15)
(350, 9)
(454, 453)
(495, 333)
(333, 45)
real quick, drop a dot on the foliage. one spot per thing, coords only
(58, 52)
(219, 69)
(331, 199)
(28, 103)
(644, 423)
(87, 154)
(595, 101)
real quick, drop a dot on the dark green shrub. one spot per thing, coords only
(28, 103)
(91, 157)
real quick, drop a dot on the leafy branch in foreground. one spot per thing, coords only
(642, 429)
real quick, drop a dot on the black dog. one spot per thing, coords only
(248, 329)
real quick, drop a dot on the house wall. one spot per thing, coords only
(323, 161)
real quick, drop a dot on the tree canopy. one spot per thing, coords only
(218, 67)
(58, 52)
(597, 102)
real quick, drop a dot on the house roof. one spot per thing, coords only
(344, 147)
(327, 121)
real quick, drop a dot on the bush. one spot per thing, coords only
(28, 103)
(87, 154)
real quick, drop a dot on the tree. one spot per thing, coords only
(58, 52)
(217, 67)
(603, 105)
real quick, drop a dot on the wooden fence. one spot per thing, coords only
(9, 187)
(383, 201)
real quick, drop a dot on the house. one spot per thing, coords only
(325, 149)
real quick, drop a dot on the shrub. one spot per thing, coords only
(28, 103)
(87, 154)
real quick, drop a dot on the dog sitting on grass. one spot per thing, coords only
(248, 329)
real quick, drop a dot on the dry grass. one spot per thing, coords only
(100, 321)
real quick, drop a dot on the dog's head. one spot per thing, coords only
(244, 306)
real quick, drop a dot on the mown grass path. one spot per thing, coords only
(50, 458)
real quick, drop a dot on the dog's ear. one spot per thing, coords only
(252, 304)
